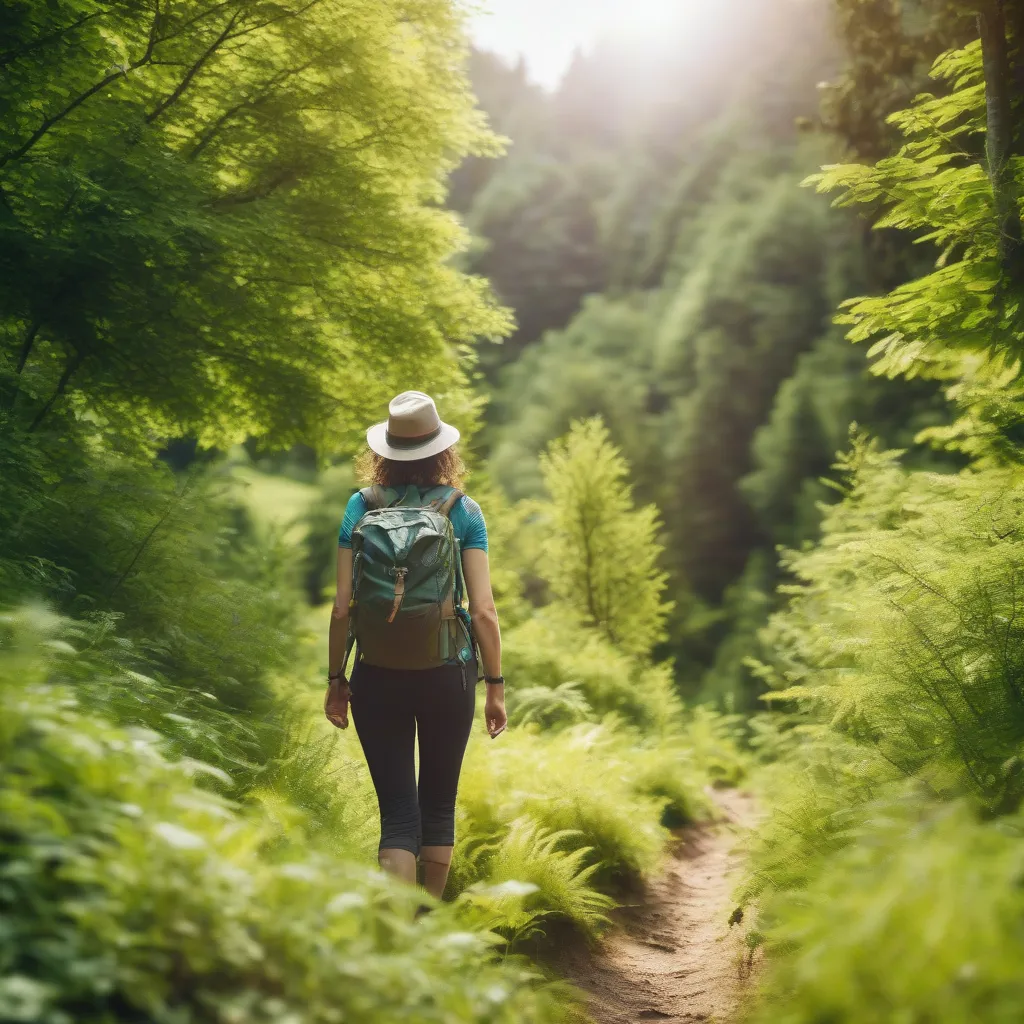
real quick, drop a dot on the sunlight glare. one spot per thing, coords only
(643, 20)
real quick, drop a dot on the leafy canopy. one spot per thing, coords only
(222, 218)
(962, 323)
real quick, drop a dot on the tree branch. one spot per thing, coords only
(73, 363)
(48, 123)
(252, 102)
(197, 66)
(12, 55)
(259, 191)
(26, 346)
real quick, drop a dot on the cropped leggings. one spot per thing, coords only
(389, 708)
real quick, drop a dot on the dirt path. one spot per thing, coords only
(675, 957)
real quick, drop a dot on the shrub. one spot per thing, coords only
(921, 918)
(550, 649)
(129, 893)
(551, 881)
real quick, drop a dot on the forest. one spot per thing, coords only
(732, 324)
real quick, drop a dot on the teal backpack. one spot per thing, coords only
(406, 610)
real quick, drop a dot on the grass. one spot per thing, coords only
(277, 502)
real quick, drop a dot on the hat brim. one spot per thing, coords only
(377, 439)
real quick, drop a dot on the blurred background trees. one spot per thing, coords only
(668, 274)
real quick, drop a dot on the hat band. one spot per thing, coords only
(411, 442)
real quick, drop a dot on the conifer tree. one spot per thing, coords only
(603, 555)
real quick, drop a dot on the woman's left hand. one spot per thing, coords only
(336, 703)
(494, 710)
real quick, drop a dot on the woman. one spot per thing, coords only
(391, 706)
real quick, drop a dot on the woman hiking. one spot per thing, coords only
(411, 546)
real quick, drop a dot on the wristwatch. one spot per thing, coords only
(495, 680)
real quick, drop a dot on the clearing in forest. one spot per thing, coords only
(673, 955)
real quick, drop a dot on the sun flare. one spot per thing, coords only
(652, 19)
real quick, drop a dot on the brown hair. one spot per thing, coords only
(445, 468)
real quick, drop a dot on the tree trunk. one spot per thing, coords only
(1015, 23)
(999, 136)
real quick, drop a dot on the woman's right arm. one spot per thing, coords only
(337, 697)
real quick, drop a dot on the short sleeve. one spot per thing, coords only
(354, 511)
(469, 525)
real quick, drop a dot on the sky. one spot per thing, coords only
(547, 32)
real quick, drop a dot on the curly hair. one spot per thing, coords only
(445, 468)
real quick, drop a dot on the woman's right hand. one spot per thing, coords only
(336, 702)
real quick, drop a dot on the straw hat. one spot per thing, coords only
(413, 429)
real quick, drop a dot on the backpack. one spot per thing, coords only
(406, 610)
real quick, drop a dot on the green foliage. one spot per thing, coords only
(709, 387)
(219, 217)
(917, 577)
(603, 552)
(322, 522)
(222, 221)
(128, 892)
(920, 918)
(545, 254)
(550, 650)
(168, 578)
(889, 47)
(550, 706)
(959, 324)
(709, 353)
(900, 649)
(552, 783)
(530, 879)
(895, 832)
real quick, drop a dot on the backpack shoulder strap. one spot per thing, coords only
(446, 501)
(376, 497)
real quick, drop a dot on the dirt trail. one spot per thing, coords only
(674, 957)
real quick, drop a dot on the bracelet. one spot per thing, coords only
(495, 680)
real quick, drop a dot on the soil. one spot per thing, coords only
(674, 956)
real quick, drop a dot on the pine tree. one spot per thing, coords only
(604, 552)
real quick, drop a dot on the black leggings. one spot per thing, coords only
(388, 707)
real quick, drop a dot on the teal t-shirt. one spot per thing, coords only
(466, 517)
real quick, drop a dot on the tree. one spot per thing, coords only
(889, 47)
(604, 552)
(222, 218)
(961, 324)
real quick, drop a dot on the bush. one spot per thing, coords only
(897, 796)
(129, 893)
(529, 878)
(550, 649)
(602, 784)
(920, 918)
(166, 576)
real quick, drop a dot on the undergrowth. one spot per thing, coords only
(129, 892)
